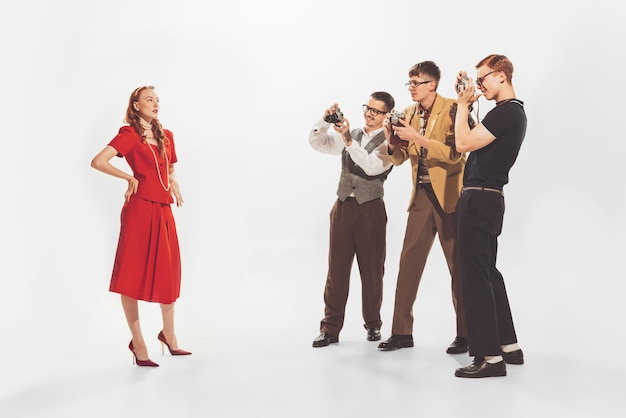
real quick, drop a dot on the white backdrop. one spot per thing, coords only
(241, 83)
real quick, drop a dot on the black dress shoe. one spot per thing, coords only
(480, 368)
(458, 346)
(373, 334)
(325, 339)
(395, 342)
(514, 357)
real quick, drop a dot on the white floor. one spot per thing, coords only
(252, 356)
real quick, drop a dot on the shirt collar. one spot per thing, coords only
(372, 133)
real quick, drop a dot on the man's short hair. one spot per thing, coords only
(426, 68)
(498, 63)
(384, 97)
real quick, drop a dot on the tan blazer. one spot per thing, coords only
(445, 164)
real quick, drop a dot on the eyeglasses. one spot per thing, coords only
(479, 80)
(414, 83)
(372, 111)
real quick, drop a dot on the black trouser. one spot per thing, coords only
(489, 321)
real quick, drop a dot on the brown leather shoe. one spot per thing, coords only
(480, 368)
(325, 339)
(458, 346)
(395, 342)
(514, 357)
(373, 334)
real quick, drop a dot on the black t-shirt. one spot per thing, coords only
(490, 165)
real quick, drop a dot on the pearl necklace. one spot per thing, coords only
(167, 167)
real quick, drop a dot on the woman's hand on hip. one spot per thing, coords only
(133, 183)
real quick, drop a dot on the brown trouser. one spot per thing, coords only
(426, 218)
(355, 230)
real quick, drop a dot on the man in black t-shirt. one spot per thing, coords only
(493, 145)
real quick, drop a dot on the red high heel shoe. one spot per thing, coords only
(161, 338)
(147, 363)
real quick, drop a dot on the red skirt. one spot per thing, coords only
(147, 262)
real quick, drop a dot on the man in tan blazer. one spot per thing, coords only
(426, 137)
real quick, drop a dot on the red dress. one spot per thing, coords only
(147, 261)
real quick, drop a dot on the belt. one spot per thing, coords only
(486, 189)
(423, 179)
(353, 199)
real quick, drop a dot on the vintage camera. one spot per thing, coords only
(395, 116)
(394, 120)
(461, 84)
(334, 117)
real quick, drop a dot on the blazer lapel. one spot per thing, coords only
(434, 114)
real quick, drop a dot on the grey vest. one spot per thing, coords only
(354, 180)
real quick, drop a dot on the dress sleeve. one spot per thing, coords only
(124, 141)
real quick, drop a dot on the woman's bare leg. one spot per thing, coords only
(131, 311)
(167, 311)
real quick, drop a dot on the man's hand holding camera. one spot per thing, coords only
(466, 90)
(341, 125)
(343, 128)
(398, 132)
(393, 120)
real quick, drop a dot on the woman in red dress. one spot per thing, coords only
(147, 262)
